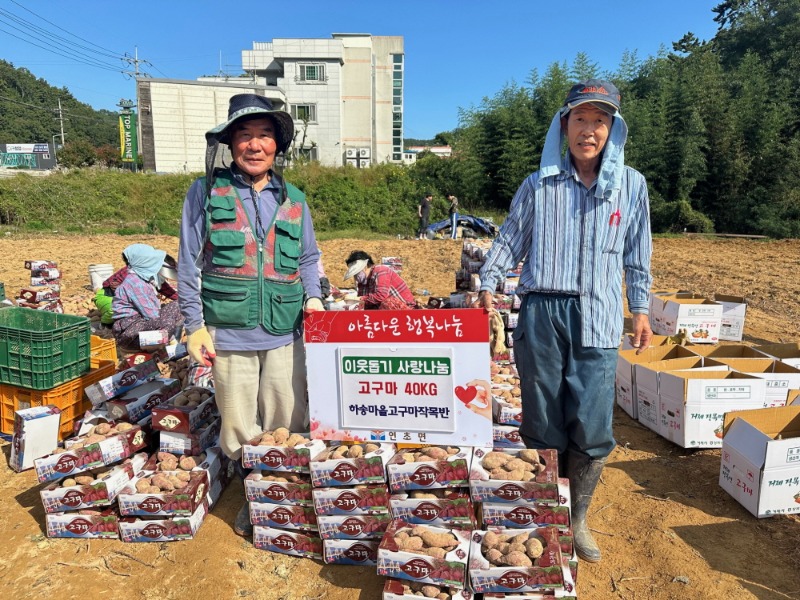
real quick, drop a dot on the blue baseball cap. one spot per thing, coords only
(597, 91)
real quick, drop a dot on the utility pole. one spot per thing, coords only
(61, 120)
(135, 62)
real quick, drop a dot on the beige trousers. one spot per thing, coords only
(257, 391)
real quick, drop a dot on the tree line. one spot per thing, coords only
(713, 125)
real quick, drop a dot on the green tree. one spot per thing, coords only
(79, 153)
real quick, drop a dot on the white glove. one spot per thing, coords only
(201, 347)
(313, 304)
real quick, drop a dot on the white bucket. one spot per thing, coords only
(98, 274)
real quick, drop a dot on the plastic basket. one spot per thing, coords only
(69, 397)
(103, 348)
(40, 349)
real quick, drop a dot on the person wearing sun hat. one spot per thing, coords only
(578, 223)
(379, 286)
(247, 268)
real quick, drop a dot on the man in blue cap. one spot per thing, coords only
(247, 268)
(578, 223)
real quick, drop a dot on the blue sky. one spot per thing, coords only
(457, 52)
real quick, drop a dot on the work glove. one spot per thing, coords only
(201, 347)
(313, 304)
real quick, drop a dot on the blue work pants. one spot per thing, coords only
(567, 389)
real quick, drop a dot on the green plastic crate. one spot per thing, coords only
(40, 350)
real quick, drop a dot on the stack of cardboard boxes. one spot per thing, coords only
(44, 292)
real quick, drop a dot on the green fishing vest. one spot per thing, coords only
(245, 283)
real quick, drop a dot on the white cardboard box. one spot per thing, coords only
(625, 380)
(727, 351)
(700, 318)
(734, 309)
(646, 376)
(35, 435)
(655, 341)
(656, 306)
(788, 353)
(780, 377)
(760, 464)
(693, 403)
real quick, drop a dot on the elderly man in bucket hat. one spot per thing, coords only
(578, 222)
(247, 268)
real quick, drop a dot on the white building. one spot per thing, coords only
(345, 93)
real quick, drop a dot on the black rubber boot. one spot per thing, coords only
(242, 525)
(584, 473)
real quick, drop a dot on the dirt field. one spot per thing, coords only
(666, 529)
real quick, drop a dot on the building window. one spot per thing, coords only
(397, 58)
(397, 118)
(397, 75)
(311, 73)
(398, 83)
(304, 112)
(306, 153)
(396, 156)
(397, 100)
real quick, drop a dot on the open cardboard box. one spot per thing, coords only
(780, 377)
(734, 310)
(369, 468)
(647, 377)
(728, 351)
(56, 497)
(788, 353)
(452, 471)
(692, 403)
(760, 464)
(699, 317)
(625, 380)
(543, 488)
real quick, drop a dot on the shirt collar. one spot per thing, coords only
(568, 172)
(238, 176)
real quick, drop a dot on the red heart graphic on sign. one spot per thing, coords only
(467, 394)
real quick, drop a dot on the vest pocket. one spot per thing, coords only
(228, 307)
(287, 247)
(223, 208)
(228, 247)
(285, 309)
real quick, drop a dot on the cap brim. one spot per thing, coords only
(601, 104)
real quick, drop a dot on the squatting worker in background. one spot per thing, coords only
(247, 264)
(578, 222)
(379, 286)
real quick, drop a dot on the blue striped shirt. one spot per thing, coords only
(577, 244)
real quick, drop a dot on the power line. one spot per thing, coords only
(77, 59)
(43, 35)
(28, 105)
(111, 52)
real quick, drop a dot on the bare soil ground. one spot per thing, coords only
(666, 529)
